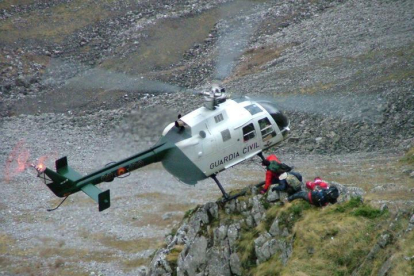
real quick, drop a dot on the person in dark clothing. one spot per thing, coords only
(319, 198)
(290, 183)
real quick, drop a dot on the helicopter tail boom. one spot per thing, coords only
(66, 181)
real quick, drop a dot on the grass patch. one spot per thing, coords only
(346, 240)
(337, 239)
(172, 257)
(135, 263)
(292, 213)
(246, 250)
(153, 195)
(408, 157)
(127, 246)
(174, 253)
(270, 268)
(357, 208)
(256, 57)
(402, 265)
(54, 24)
(5, 243)
(351, 204)
(367, 211)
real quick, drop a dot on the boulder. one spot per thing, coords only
(191, 260)
(235, 265)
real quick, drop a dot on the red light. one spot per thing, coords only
(40, 168)
(18, 161)
(120, 171)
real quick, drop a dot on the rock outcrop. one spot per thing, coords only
(214, 238)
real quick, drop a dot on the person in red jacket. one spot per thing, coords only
(318, 198)
(274, 169)
(317, 183)
(320, 193)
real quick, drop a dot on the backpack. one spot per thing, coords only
(278, 167)
(294, 182)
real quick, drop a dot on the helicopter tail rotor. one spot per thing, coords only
(63, 183)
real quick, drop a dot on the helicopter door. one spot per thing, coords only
(267, 132)
(251, 145)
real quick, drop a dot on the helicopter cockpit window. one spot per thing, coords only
(266, 129)
(253, 109)
(225, 134)
(248, 132)
(280, 119)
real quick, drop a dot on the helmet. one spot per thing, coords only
(283, 176)
(333, 193)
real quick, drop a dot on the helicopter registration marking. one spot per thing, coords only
(233, 155)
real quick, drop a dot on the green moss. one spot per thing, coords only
(357, 208)
(172, 257)
(290, 216)
(354, 202)
(367, 211)
(188, 213)
(299, 207)
(266, 204)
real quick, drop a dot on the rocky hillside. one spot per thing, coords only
(258, 235)
(341, 70)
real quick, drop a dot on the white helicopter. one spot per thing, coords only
(219, 135)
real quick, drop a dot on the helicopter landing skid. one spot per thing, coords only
(226, 196)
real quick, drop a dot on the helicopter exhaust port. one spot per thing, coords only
(179, 123)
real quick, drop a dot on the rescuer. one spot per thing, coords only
(289, 182)
(274, 169)
(318, 196)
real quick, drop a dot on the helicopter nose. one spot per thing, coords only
(285, 132)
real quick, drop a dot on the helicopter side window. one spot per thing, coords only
(248, 132)
(266, 129)
(219, 118)
(225, 134)
(253, 109)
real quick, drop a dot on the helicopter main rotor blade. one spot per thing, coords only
(83, 77)
(355, 108)
(234, 37)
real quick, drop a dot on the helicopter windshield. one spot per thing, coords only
(280, 119)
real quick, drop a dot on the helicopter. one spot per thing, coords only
(219, 135)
